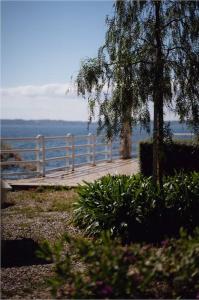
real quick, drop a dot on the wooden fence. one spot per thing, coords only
(71, 145)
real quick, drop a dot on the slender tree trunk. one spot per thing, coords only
(126, 140)
(158, 103)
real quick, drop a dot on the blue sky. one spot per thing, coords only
(43, 43)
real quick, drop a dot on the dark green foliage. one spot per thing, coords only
(106, 269)
(133, 208)
(178, 156)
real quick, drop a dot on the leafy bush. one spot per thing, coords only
(133, 208)
(12, 156)
(178, 156)
(106, 269)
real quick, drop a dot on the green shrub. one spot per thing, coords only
(178, 156)
(134, 209)
(106, 269)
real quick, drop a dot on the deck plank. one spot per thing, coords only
(85, 173)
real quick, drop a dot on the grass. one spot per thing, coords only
(42, 200)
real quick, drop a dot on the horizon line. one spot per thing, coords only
(61, 120)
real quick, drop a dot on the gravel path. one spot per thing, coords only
(37, 216)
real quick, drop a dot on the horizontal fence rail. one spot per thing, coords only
(40, 155)
(92, 146)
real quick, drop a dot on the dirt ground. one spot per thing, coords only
(27, 218)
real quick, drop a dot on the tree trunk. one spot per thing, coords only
(126, 140)
(158, 103)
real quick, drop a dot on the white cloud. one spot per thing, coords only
(49, 101)
(47, 90)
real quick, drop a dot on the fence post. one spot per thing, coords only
(68, 138)
(94, 149)
(43, 156)
(90, 143)
(110, 150)
(73, 152)
(106, 150)
(38, 154)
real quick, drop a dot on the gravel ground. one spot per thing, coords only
(35, 215)
(27, 282)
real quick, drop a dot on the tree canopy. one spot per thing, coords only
(150, 53)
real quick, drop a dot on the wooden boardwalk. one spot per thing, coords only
(85, 173)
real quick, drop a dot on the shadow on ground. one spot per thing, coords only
(6, 205)
(17, 253)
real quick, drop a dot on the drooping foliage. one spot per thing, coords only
(150, 53)
(111, 81)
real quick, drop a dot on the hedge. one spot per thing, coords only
(177, 156)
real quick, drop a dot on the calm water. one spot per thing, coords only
(20, 128)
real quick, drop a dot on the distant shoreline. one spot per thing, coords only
(40, 120)
(64, 121)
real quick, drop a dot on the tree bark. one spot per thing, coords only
(158, 103)
(126, 140)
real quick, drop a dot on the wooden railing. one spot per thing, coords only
(38, 166)
(71, 145)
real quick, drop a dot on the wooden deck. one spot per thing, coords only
(85, 173)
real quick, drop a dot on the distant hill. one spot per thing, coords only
(46, 121)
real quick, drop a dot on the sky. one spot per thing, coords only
(43, 43)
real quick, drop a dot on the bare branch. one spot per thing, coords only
(173, 20)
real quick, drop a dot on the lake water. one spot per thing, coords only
(21, 128)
